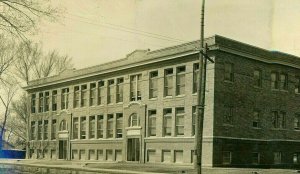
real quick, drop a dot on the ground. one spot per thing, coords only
(130, 168)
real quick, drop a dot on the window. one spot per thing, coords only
(228, 74)
(179, 121)
(101, 93)
(75, 127)
(256, 122)
(118, 155)
(135, 87)
(297, 85)
(92, 154)
(92, 94)
(150, 155)
(168, 82)
(194, 120)
(274, 80)
(119, 125)
(100, 126)
(167, 131)
(53, 132)
(109, 155)
(120, 82)
(255, 158)
(297, 122)
(110, 91)
(133, 120)
(228, 115)
(47, 101)
(178, 156)
(65, 98)
(45, 129)
(283, 81)
(152, 123)
(54, 100)
(33, 137)
(100, 154)
(92, 127)
(226, 157)
(82, 154)
(74, 154)
(63, 125)
(278, 119)
(296, 158)
(84, 96)
(40, 130)
(277, 157)
(110, 126)
(166, 156)
(180, 80)
(83, 128)
(196, 77)
(41, 102)
(153, 84)
(33, 103)
(76, 96)
(257, 78)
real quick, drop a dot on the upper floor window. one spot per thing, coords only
(167, 122)
(194, 114)
(257, 78)
(45, 129)
(133, 120)
(119, 125)
(278, 119)
(63, 125)
(41, 102)
(283, 81)
(53, 132)
(168, 82)
(92, 94)
(228, 74)
(83, 128)
(180, 80)
(100, 126)
(110, 126)
(76, 96)
(196, 77)
(33, 103)
(47, 101)
(297, 85)
(256, 119)
(110, 91)
(274, 80)
(32, 131)
(152, 123)
(101, 93)
(179, 121)
(40, 130)
(65, 98)
(120, 82)
(54, 100)
(297, 122)
(135, 87)
(153, 84)
(92, 127)
(75, 127)
(84, 96)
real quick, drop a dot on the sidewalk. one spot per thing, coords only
(133, 168)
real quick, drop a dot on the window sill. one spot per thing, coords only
(258, 87)
(227, 125)
(194, 94)
(256, 128)
(119, 103)
(279, 129)
(180, 96)
(168, 97)
(297, 129)
(152, 99)
(228, 81)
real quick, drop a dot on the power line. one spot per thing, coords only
(125, 29)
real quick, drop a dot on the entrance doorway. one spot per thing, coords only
(133, 149)
(62, 149)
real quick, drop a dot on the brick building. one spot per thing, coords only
(142, 108)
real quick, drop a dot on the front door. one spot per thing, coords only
(133, 149)
(62, 149)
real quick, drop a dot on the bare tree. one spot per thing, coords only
(18, 17)
(7, 55)
(8, 92)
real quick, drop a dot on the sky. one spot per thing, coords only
(97, 31)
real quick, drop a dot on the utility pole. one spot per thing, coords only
(200, 95)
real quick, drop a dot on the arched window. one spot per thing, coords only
(63, 125)
(133, 120)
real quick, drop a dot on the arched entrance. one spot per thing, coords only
(133, 138)
(63, 140)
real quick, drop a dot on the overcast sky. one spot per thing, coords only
(96, 31)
